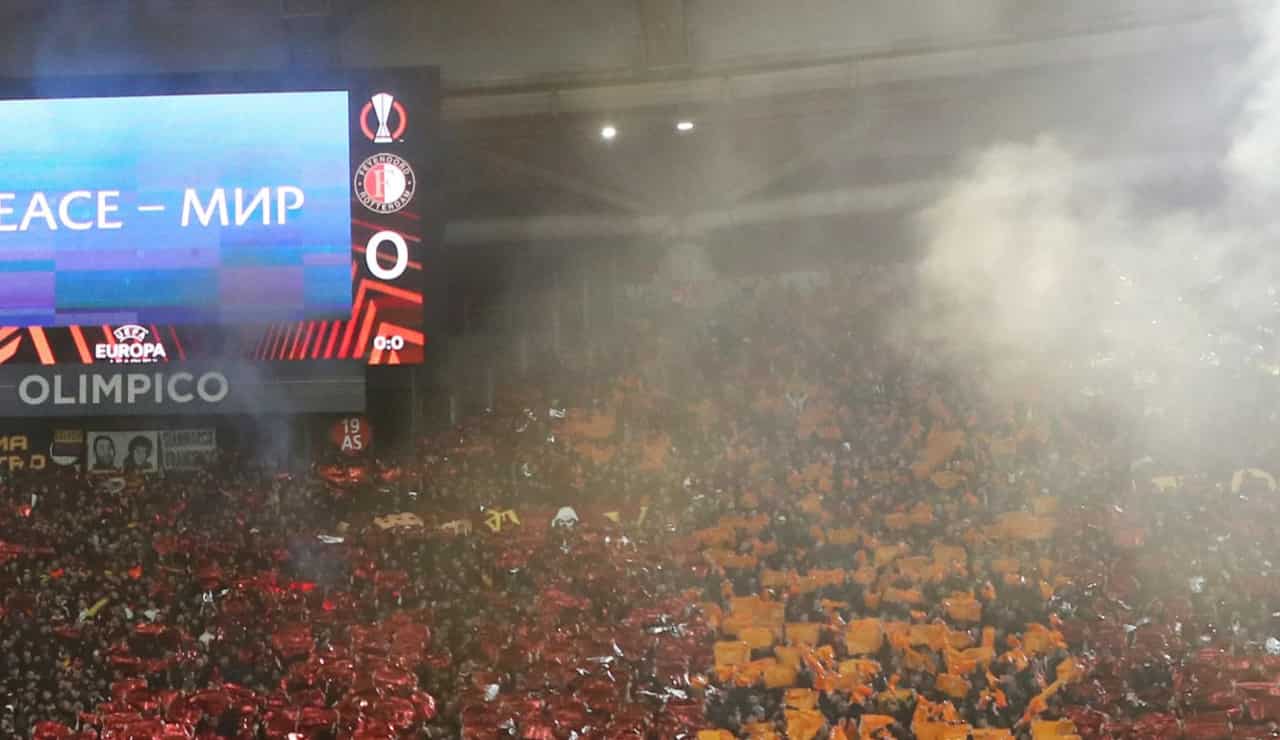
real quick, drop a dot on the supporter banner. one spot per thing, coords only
(24, 450)
(67, 447)
(322, 387)
(124, 452)
(188, 449)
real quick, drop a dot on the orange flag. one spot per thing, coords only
(804, 724)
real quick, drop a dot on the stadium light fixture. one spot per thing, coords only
(608, 132)
(684, 126)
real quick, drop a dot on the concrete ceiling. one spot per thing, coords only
(484, 44)
(806, 108)
(869, 140)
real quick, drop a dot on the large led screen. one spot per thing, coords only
(218, 218)
(186, 209)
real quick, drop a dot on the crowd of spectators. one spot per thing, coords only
(776, 520)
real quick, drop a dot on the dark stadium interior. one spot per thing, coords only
(715, 369)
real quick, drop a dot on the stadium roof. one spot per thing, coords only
(836, 109)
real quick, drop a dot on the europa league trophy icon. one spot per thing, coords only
(382, 109)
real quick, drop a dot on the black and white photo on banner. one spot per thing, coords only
(123, 452)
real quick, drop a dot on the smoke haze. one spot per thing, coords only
(1039, 264)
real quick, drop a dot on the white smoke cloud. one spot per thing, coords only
(1032, 252)
(1253, 158)
(1038, 257)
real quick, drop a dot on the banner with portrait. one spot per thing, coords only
(123, 452)
(188, 449)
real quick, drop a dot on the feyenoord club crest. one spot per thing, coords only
(382, 106)
(385, 183)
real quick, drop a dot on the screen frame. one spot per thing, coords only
(213, 83)
(421, 84)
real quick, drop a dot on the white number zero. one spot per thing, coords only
(371, 255)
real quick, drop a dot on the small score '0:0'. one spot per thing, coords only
(394, 343)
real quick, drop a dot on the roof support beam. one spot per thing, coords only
(861, 72)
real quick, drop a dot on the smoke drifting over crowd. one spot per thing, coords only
(1038, 260)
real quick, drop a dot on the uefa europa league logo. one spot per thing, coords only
(382, 109)
(383, 106)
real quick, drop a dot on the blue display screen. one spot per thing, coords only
(220, 209)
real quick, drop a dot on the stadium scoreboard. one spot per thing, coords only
(216, 218)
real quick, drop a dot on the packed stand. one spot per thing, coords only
(798, 528)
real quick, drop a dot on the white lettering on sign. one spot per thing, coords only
(130, 352)
(352, 436)
(106, 205)
(212, 210)
(395, 343)
(191, 202)
(38, 208)
(38, 212)
(64, 210)
(124, 389)
(83, 210)
(260, 201)
(133, 345)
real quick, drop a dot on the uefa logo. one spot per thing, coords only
(130, 333)
(382, 106)
(385, 183)
(131, 346)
